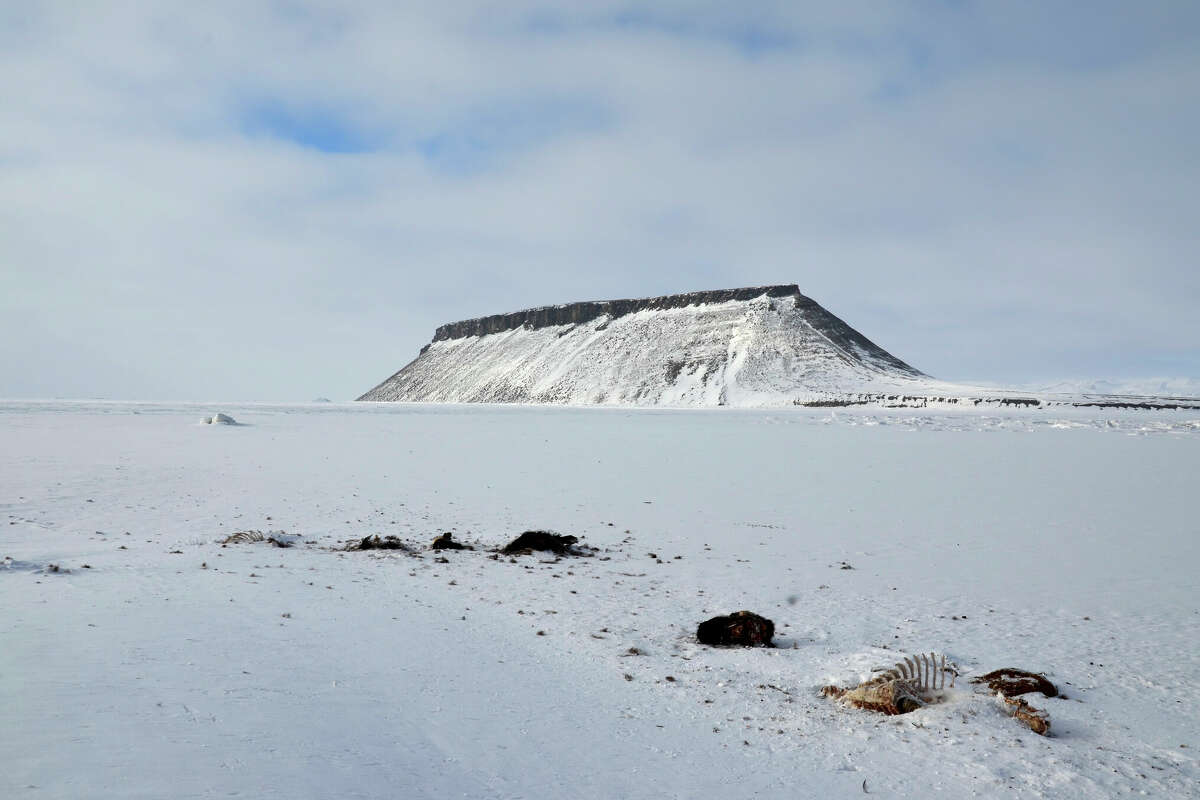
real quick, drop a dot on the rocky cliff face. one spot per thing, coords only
(577, 313)
(759, 346)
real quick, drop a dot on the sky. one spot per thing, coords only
(282, 200)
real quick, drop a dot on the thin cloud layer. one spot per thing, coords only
(283, 201)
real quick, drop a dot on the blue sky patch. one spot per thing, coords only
(469, 141)
(314, 128)
(478, 138)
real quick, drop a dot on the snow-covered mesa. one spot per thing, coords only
(141, 658)
(757, 347)
(764, 346)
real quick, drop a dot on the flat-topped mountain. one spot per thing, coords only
(760, 346)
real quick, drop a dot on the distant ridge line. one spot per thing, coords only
(578, 313)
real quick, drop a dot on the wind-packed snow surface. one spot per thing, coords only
(140, 658)
(765, 346)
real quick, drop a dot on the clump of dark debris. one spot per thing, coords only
(378, 542)
(739, 629)
(446, 542)
(529, 541)
(1012, 682)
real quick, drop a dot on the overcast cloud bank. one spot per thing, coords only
(284, 200)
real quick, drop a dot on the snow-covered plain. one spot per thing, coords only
(169, 666)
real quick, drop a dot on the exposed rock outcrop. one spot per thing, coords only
(578, 313)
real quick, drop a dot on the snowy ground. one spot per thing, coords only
(169, 666)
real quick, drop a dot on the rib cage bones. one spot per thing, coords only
(924, 672)
(244, 536)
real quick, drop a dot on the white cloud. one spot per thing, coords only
(989, 195)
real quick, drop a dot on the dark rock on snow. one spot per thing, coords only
(740, 629)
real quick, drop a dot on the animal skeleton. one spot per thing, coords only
(243, 536)
(277, 538)
(1033, 718)
(916, 682)
(923, 672)
(907, 686)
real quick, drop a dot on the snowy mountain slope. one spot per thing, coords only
(763, 346)
(1172, 388)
